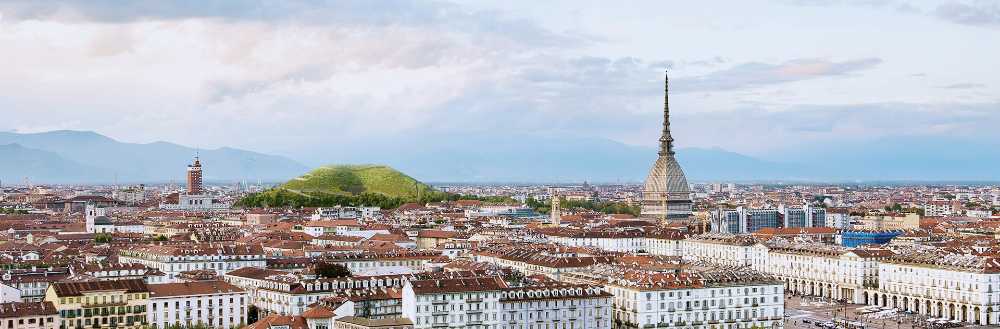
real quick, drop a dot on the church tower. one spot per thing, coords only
(665, 194)
(555, 214)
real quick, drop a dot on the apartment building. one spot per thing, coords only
(940, 283)
(174, 259)
(215, 304)
(461, 302)
(704, 297)
(31, 315)
(100, 304)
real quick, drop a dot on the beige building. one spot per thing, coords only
(100, 304)
(34, 315)
(890, 222)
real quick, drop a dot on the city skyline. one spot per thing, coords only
(283, 79)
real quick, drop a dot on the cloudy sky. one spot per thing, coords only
(755, 77)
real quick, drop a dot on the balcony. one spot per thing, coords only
(439, 302)
(439, 325)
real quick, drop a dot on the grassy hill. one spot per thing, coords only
(357, 179)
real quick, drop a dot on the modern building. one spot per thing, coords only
(854, 238)
(802, 216)
(747, 220)
(665, 193)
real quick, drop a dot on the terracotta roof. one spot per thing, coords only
(318, 312)
(19, 309)
(164, 290)
(64, 289)
(293, 322)
(457, 285)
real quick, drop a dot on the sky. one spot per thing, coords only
(288, 77)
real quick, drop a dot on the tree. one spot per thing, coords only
(160, 237)
(102, 238)
(330, 270)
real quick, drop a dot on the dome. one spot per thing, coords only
(666, 178)
(666, 194)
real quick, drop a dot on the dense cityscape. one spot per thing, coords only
(665, 253)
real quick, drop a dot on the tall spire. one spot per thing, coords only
(666, 142)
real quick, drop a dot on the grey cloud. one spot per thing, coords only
(967, 85)
(978, 13)
(347, 12)
(754, 74)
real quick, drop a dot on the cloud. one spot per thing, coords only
(967, 85)
(755, 74)
(432, 14)
(976, 13)
(765, 130)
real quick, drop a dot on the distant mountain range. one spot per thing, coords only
(83, 157)
(75, 157)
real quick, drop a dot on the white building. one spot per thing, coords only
(465, 302)
(940, 284)
(215, 304)
(704, 298)
(174, 259)
(569, 305)
(722, 249)
(817, 269)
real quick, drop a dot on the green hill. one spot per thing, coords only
(357, 179)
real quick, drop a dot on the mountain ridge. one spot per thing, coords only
(148, 162)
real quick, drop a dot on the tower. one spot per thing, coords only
(194, 178)
(555, 214)
(665, 193)
(91, 212)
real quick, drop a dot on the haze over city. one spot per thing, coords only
(833, 90)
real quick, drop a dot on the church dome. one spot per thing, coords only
(666, 194)
(666, 178)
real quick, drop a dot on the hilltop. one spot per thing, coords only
(358, 179)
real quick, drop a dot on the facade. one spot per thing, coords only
(721, 249)
(172, 260)
(748, 220)
(665, 193)
(940, 284)
(567, 305)
(214, 304)
(100, 304)
(816, 269)
(194, 186)
(465, 302)
(704, 298)
(282, 293)
(939, 208)
(803, 216)
(36, 315)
